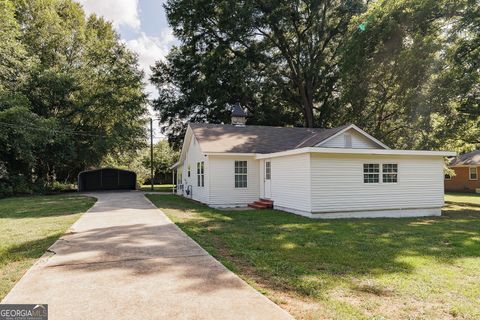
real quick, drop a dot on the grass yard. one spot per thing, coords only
(28, 226)
(463, 198)
(158, 187)
(421, 268)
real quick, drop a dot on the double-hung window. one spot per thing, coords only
(390, 173)
(200, 174)
(371, 173)
(240, 174)
(473, 174)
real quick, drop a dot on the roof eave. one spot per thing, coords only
(175, 165)
(186, 140)
(236, 154)
(353, 151)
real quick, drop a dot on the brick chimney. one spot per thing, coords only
(239, 116)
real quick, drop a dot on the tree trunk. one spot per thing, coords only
(307, 105)
(309, 123)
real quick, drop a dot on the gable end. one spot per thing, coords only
(352, 137)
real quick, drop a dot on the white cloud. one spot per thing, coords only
(120, 12)
(126, 13)
(151, 49)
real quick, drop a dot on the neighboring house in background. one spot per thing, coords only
(319, 173)
(466, 178)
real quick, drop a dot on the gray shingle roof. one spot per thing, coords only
(471, 158)
(257, 139)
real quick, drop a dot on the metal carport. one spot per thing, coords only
(107, 179)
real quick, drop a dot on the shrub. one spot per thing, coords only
(6, 189)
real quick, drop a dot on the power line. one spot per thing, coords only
(70, 132)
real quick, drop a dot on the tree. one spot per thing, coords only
(279, 59)
(13, 56)
(164, 157)
(456, 87)
(17, 146)
(400, 78)
(78, 87)
(406, 71)
(387, 69)
(131, 160)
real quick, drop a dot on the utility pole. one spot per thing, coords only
(151, 153)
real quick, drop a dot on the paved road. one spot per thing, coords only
(124, 259)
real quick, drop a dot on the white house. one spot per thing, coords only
(318, 173)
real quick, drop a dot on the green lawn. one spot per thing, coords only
(463, 198)
(422, 268)
(28, 226)
(158, 187)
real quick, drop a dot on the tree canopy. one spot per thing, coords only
(164, 156)
(71, 93)
(406, 71)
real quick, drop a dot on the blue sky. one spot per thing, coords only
(152, 20)
(143, 26)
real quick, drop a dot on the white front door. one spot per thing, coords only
(268, 178)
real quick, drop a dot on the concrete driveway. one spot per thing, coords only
(124, 259)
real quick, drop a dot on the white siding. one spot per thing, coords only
(291, 182)
(194, 155)
(359, 141)
(179, 179)
(222, 181)
(261, 177)
(337, 183)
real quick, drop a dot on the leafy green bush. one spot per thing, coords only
(20, 185)
(62, 187)
(6, 189)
